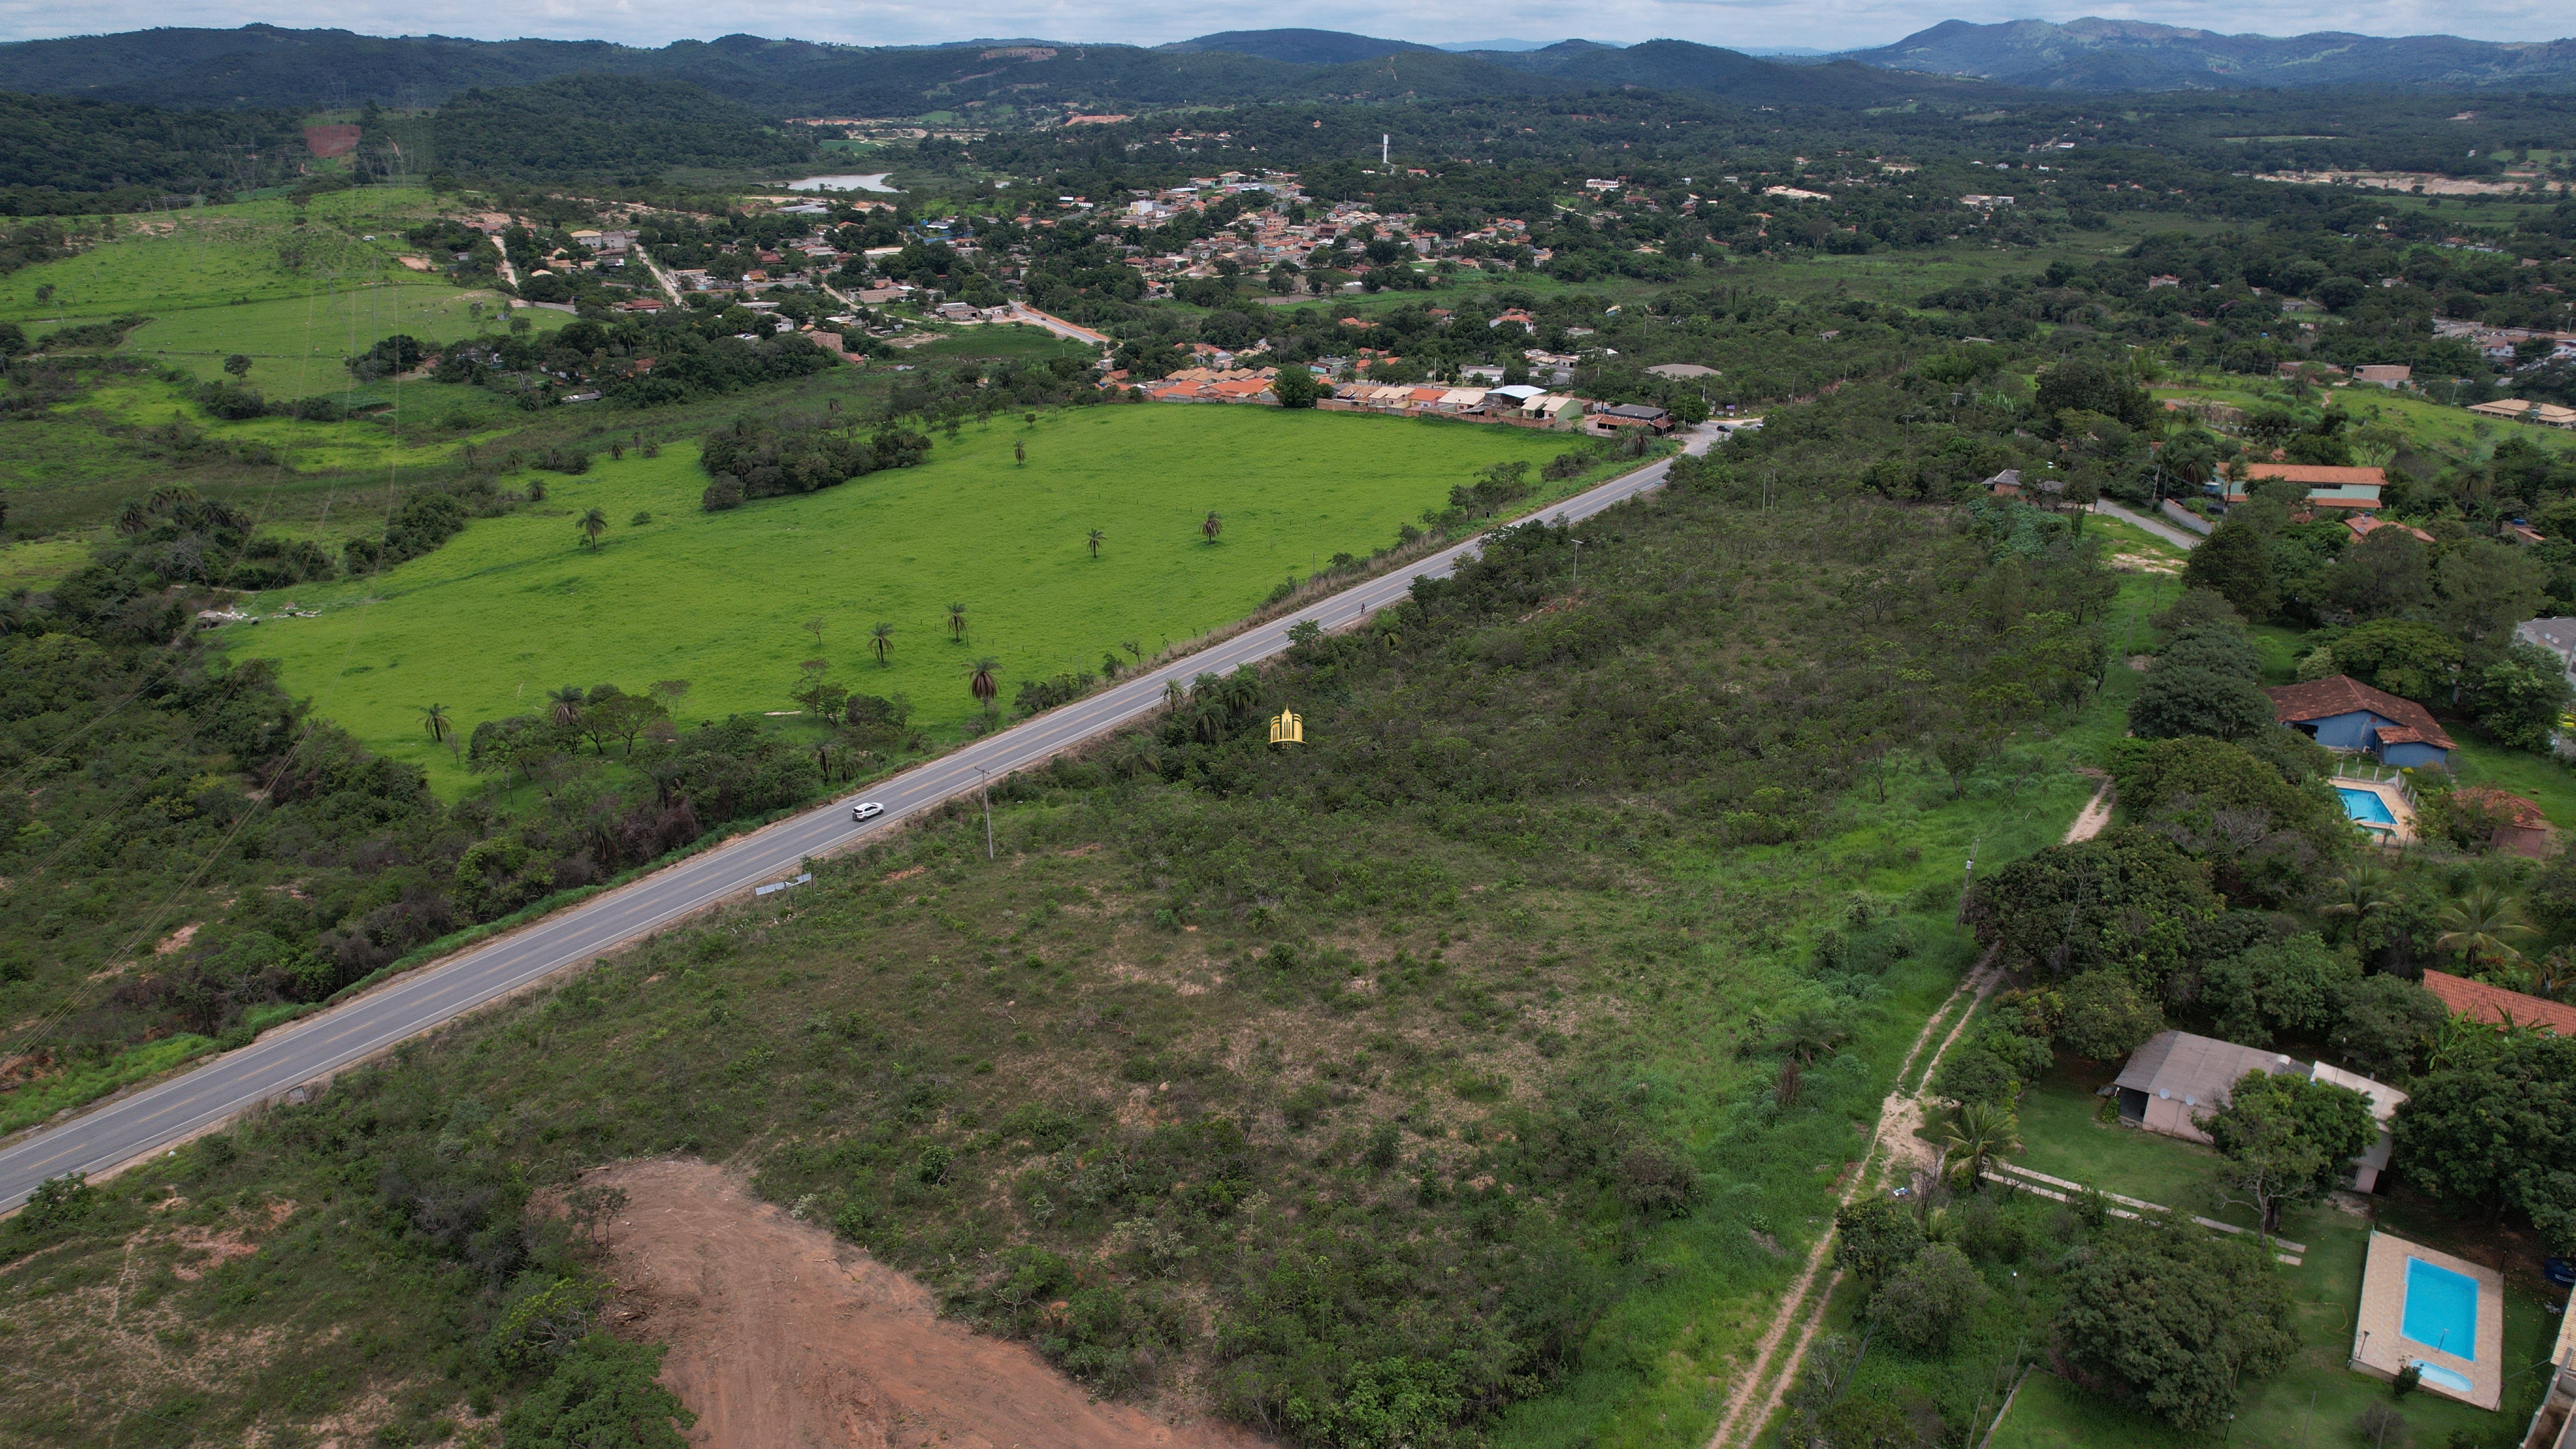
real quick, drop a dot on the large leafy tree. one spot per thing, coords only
(1875, 1236)
(2402, 656)
(2107, 1016)
(2491, 1126)
(2235, 562)
(2383, 1022)
(2178, 1317)
(2267, 837)
(2521, 697)
(2124, 899)
(2281, 1138)
(1923, 1302)
(2179, 700)
(2277, 989)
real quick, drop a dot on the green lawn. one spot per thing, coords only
(2063, 1136)
(2314, 1401)
(515, 606)
(2544, 781)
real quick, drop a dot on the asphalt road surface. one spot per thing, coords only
(420, 1000)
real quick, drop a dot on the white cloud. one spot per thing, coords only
(1825, 24)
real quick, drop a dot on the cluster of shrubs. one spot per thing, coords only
(757, 459)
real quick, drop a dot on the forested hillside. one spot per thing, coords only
(604, 126)
(59, 155)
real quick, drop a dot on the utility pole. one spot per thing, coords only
(1578, 565)
(1382, 139)
(984, 788)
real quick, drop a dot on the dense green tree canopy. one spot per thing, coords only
(2179, 1318)
(2125, 899)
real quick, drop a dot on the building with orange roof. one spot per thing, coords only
(2364, 526)
(2496, 1006)
(2342, 713)
(2519, 827)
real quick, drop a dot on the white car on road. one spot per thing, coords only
(866, 810)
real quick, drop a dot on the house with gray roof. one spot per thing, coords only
(2177, 1079)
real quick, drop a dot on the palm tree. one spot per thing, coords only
(2481, 926)
(134, 517)
(566, 703)
(957, 623)
(2552, 974)
(1213, 526)
(1976, 1136)
(436, 721)
(980, 681)
(881, 639)
(2360, 893)
(1020, 453)
(592, 525)
(1095, 540)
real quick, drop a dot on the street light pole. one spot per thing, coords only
(983, 787)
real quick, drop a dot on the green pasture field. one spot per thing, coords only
(516, 605)
(66, 471)
(1016, 340)
(2454, 430)
(214, 256)
(298, 345)
(1902, 277)
(215, 281)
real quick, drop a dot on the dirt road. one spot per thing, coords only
(783, 1337)
(1896, 1149)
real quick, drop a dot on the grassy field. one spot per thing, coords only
(67, 470)
(516, 606)
(2431, 424)
(215, 256)
(295, 289)
(1655, 1371)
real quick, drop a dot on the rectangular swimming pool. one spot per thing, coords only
(2365, 806)
(2441, 1309)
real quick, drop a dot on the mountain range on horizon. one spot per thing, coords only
(269, 66)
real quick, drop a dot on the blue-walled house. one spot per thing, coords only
(2343, 713)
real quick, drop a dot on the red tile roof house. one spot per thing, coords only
(2519, 829)
(2343, 713)
(2494, 1005)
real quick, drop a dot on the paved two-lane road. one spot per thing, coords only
(424, 998)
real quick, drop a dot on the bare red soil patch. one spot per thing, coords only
(781, 1334)
(328, 141)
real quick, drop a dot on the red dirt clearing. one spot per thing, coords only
(327, 141)
(782, 1335)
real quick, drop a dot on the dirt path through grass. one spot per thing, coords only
(781, 1334)
(1899, 1131)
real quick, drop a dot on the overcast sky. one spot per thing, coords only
(1823, 24)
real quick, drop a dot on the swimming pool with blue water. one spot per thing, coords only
(2441, 1309)
(2365, 806)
